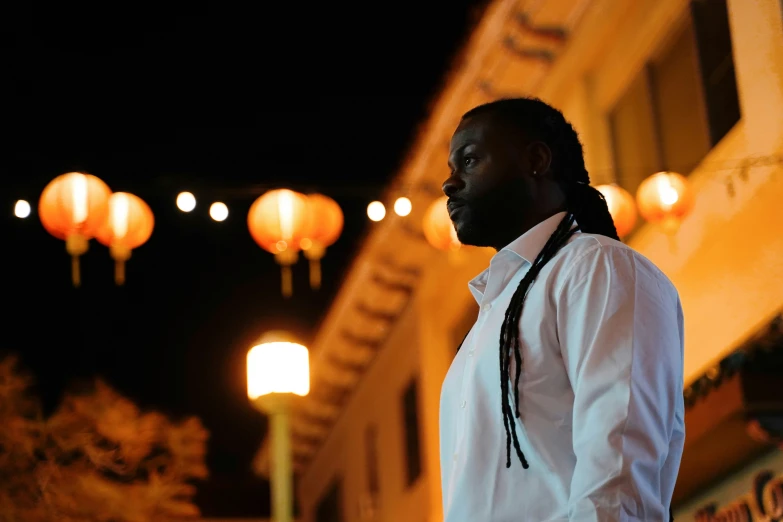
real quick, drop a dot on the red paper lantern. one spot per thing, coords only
(665, 199)
(622, 207)
(72, 208)
(326, 224)
(128, 226)
(438, 228)
(278, 221)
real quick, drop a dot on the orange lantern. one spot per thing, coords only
(622, 207)
(438, 228)
(128, 226)
(279, 221)
(326, 223)
(665, 199)
(72, 208)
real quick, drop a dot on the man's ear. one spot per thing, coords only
(540, 158)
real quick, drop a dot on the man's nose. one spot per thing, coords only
(452, 185)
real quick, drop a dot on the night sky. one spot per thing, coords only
(224, 103)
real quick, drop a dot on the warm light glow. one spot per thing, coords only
(79, 197)
(278, 367)
(218, 211)
(186, 201)
(666, 191)
(118, 213)
(622, 207)
(403, 207)
(438, 228)
(285, 209)
(376, 211)
(22, 209)
(665, 199)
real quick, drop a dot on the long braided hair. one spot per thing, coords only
(586, 210)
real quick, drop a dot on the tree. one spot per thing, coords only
(97, 458)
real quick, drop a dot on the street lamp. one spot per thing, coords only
(278, 370)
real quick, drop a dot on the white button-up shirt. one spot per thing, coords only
(601, 392)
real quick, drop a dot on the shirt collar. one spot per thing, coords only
(525, 248)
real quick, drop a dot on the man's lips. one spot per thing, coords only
(454, 207)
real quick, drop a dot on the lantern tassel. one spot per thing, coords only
(75, 272)
(287, 281)
(315, 274)
(120, 254)
(76, 245)
(119, 272)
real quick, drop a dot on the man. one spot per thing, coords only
(565, 401)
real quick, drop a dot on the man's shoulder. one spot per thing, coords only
(587, 248)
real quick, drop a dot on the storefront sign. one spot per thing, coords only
(763, 503)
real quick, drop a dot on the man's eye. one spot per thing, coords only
(469, 160)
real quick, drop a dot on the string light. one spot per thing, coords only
(218, 211)
(22, 209)
(376, 211)
(186, 201)
(403, 206)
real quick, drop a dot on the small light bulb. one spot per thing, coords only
(403, 206)
(22, 209)
(376, 211)
(218, 211)
(186, 201)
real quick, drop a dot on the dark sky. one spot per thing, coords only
(220, 102)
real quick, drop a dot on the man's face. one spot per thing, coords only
(489, 189)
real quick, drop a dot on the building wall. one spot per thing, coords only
(378, 401)
(726, 259)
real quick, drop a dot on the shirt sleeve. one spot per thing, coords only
(620, 329)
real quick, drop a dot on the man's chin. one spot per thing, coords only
(470, 236)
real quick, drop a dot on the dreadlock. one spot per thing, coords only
(586, 210)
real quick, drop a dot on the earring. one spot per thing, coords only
(534, 172)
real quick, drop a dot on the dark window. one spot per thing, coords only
(681, 104)
(329, 508)
(713, 43)
(410, 405)
(371, 444)
(678, 102)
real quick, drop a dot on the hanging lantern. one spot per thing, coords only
(278, 222)
(622, 207)
(326, 223)
(128, 226)
(438, 228)
(72, 208)
(665, 199)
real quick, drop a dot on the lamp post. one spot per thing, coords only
(278, 370)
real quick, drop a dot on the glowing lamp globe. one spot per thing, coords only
(326, 224)
(128, 226)
(665, 199)
(622, 207)
(278, 221)
(438, 228)
(72, 208)
(278, 368)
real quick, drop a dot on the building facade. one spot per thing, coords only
(694, 87)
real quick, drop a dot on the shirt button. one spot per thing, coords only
(454, 457)
(464, 403)
(470, 353)
(487, 307)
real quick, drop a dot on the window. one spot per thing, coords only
(682, 103)
(410, 406)
(371, 446)
(329, 507)
(713, 41)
